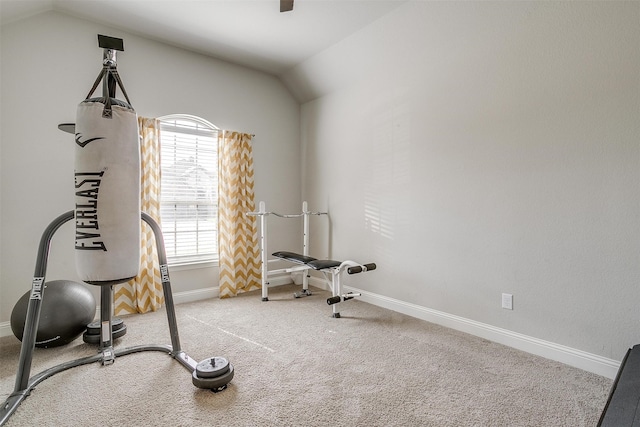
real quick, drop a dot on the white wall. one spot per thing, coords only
(476, 148)
(49, 63)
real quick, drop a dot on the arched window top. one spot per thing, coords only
(186, 123)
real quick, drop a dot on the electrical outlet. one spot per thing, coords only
(507, 301)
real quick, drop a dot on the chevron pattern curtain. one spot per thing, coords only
(238, 249)
(144, 293)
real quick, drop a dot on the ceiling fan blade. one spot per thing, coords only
(286, 5)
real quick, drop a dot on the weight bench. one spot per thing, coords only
(302, 263)
(331, 270)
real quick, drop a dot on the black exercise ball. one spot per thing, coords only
(66, 310)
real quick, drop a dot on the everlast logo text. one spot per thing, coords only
(87, 234)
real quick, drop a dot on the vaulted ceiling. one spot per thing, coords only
(252, 33)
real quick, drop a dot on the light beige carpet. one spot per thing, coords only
(295, 365)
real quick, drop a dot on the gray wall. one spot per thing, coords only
(479, 148)
(49, 63)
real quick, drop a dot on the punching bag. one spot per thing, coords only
(107, 185)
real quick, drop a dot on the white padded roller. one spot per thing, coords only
(107, 193)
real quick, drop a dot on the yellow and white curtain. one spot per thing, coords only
(144, 293)
(238, 249)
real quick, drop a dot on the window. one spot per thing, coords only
(189, 189)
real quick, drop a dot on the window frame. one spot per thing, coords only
(186, 261)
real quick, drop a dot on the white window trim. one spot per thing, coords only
(186, 263)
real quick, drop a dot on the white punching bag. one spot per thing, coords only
(107, 190)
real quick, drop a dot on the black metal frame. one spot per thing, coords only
(24, 384)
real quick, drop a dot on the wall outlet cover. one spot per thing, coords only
(507, 301)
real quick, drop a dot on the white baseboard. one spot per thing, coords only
(206, 293)
(580, 359)
(197, 295)
(577, 358)
(5, 329)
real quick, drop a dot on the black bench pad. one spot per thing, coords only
(321, 264)
(316, 264)
(293, 257)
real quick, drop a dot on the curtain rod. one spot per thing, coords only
(252, 134)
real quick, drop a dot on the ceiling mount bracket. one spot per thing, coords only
(286, 5)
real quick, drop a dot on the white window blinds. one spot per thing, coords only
(189, 189)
